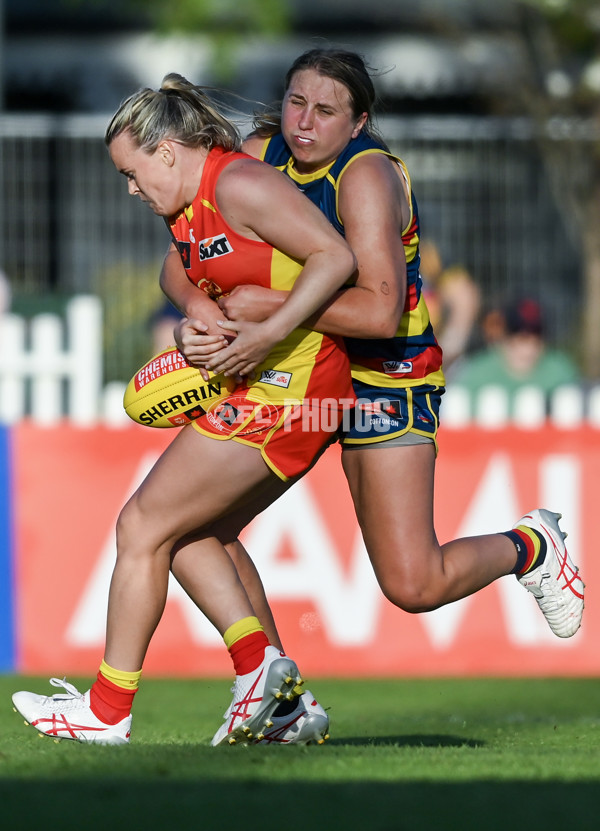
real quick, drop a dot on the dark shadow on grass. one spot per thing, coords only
(210, 805)
(408, 741)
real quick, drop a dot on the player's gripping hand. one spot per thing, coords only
(250, 347)
(196, 345)
(250, 302)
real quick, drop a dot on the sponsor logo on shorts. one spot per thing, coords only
(212, 247)
(376, 416)
(397, 367)
(372, 407)
(226, 413)
(392, 408)
(242, 417)
(276, 379)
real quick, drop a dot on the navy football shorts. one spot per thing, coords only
(402, 415)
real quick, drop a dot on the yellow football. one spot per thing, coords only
(168, 392)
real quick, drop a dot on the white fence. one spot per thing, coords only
(51, 369)
(567, 408)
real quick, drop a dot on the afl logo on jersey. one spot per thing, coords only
(213, 247)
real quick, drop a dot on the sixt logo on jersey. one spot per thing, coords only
(213, 247)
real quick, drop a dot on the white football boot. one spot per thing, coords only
(68, 716)
(555, 584)
(256, 696)
(307, 724)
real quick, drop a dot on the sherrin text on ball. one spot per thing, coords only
(168, 392)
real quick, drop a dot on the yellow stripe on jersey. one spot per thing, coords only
(415, 322)
(307, 178)
(380, 379)
(284, 271)
(304, 344)
(189, 211)
(263, 151)
(411, 248)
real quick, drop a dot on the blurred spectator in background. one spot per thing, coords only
(162, 322)
(492, 326)
(518, 355)
(453, 299)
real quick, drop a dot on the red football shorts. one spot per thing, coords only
(289, 436)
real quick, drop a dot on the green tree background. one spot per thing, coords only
(227, 23)
(562, 38)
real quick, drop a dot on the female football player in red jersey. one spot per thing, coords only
(323, 139)
(233, 220)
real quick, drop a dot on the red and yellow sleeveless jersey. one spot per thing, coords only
(306, 365)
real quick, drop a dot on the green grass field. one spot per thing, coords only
(428, 754)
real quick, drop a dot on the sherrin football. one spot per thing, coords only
(168, 392)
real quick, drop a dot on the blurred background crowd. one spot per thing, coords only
(493, 106)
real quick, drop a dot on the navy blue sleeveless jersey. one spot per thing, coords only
(413, 356)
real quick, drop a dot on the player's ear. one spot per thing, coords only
(166, 152)
(360, 123)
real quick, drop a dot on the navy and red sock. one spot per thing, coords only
(531, 548)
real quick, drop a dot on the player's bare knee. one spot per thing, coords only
(132, 534)
(411, 597)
